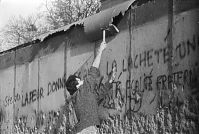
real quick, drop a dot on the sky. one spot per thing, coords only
(9, 8)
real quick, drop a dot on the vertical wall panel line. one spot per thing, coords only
(66, 109)
(14, 87)
(170, 35)
(38, 102)
(129, 65)
(170, 49)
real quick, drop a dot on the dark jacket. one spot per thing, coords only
(85, 102)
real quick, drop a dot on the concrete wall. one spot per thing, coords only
(151, 93)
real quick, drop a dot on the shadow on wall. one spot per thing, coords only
(79, 43)
(52, 44)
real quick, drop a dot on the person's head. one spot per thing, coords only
(73, 83)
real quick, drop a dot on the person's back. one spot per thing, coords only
(85, 102)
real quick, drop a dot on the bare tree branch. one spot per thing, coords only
(21, 30)
(63, 12)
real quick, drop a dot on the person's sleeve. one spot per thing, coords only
(92, 79)
(94, 73)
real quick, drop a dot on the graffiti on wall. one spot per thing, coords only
(36, 94)
(177, 94)
(148, 58)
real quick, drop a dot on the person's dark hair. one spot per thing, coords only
(71, 84)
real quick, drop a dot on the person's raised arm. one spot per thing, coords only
(97, 59)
